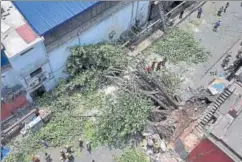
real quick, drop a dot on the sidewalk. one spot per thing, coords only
(158, 34)
(100, 154)
(218, 43)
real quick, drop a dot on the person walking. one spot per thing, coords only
(220, 11)
(45, 144)
(181, 14)
(68, 149)
(81, 144)
(63, 155)
(199, 13)
(70, 157)
(227, 5)
(47, 157)
(216, 26)
(89, 147)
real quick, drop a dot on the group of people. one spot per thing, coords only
(153, 147)
(220, 11)
(68, 155)
(65, 156)
(199, 13)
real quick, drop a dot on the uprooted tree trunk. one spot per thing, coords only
(139, 81)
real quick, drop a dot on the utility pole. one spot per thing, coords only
(162, 14)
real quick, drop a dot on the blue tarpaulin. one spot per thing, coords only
(45, 15)
(4, 152)
(4, 59)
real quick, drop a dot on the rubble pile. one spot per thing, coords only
(157, 149)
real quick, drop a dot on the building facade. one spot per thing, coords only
(93, 22)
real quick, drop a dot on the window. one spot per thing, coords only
(26, 51)
(36, 72)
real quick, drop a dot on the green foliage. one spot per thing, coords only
(170, 80)
(123, 117)
(71, 95)
(179, 45)
(62, 129)
(89, 133)
(99, 56)
(132, 155)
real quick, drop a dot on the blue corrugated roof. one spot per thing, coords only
(44, 16)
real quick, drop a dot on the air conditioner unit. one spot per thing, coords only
(33, 82)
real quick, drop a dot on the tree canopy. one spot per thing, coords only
(179, 45)
(132, 155)
(122, 115)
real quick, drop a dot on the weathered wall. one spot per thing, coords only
(207, 151)
(118, 22)
(30, 61)
(9, 78)
(8, 108)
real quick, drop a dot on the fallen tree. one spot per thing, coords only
(140, 83)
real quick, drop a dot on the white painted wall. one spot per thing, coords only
(30, 61)
(118, 22)
(23, 65)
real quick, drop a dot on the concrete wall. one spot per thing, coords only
(118, 22)
(23, 65)
(30, 61)
(9, 78)
(7, 108)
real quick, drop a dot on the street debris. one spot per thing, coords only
(217, 86)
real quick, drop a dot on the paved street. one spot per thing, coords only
(100, 154)
(224, 41)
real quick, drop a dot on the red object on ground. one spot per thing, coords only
(26, 33)
(206, 151)
(148, 69)
(7, 108)
(233, 113)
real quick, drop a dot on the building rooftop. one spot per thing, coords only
(227, 129)
(16, 35)
(44, 16)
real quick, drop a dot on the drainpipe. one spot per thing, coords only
(132, 12)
